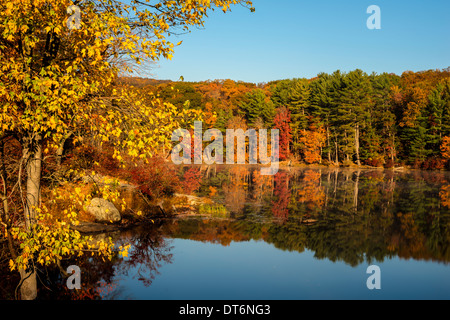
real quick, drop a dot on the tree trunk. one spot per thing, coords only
(355, 192)
(60, 151)
(393, 149)
(358, 162)
(328, 144)
(33, 169)
(336, 174)
(28, 288)
(337, 153)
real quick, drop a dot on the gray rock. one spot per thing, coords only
(103, 210)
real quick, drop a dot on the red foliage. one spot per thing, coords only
(417, 164)
(192, 180)
(281, 122)
(155, 179)
(108, 165)
(434, 163)
(374, 162)
(86, 155)
(282, 196)
(389, 163)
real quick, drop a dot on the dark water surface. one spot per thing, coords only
(302, 234)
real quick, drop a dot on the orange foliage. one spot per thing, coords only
(192, 180)
(411, 235)
(236, 189)
(444, 194)
(312, 141)
(311, 192)
(212, 191)
(445, 148)
(282, 196)
(262, 185)
(223, 94)
(210, 115)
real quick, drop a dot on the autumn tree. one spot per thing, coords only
(312, 142)
(282, 196)
(54, 82)
(422, 109)
(445, 148)
(282, 122)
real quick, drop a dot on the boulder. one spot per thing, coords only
(103, 210)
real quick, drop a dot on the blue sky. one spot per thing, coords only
(287, 39)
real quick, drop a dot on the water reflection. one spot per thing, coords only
(100, 278)
(349, 216)
(150, 250)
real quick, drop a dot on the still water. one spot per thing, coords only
(302, 234)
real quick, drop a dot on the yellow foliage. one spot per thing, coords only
(58, 81)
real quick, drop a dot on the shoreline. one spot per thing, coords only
(284, 165)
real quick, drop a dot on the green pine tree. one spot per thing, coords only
(256, 106)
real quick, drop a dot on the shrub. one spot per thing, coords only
(417, 164)
(84, 157)
(389, 163)
(374, 162)
(108, 165)
(192, 180)
(434, 164)
(155, 179)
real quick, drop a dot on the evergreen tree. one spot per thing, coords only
(436, 113)
(256, 106)
(353, 104)
(223, 116)
(280, 93)
(298, 105)
(382, 118)
(320, 105)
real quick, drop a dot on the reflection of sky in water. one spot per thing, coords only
(257, 270)
(347, 216)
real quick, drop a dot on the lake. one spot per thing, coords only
(304, 233)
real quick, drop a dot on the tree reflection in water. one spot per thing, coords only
(354, 216)
(350, 215)
(149, 251)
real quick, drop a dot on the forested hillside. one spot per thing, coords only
(339, 118)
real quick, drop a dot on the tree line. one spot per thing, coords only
(343, 118)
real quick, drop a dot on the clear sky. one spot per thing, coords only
(286, 39)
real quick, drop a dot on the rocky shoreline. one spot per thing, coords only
(105, 217)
